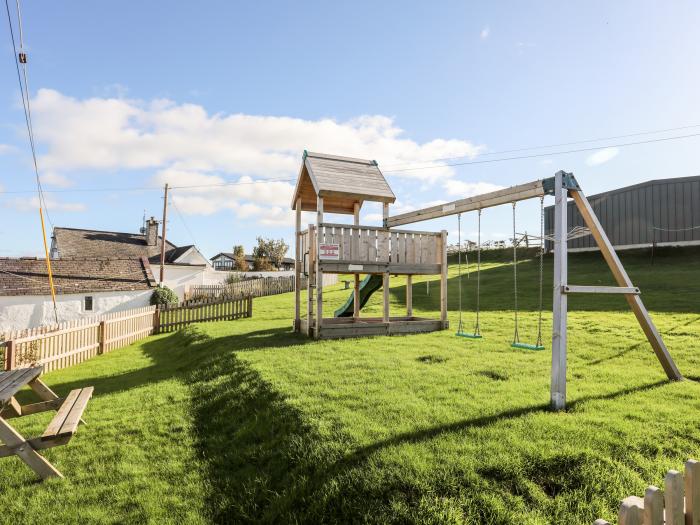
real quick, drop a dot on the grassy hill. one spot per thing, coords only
(238, 422)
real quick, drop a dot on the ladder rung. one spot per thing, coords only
(572, 288)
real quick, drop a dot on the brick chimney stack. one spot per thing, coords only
(151, 232)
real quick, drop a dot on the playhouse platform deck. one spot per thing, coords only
(342, 327)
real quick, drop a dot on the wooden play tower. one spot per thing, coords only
(333, 184)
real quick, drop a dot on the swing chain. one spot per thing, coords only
(459, 268)
(516, 336)
(539, 319)
(477, 325)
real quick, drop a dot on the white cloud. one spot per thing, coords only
(55, 179)
(32, 203)
(6, 148)
(468, 189)
(485, 33)
(110, 133)
(602, 156)
(185, 145)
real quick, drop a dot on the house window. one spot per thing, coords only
(88, 303)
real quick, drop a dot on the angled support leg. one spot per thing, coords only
(26, 452)
(623, 279)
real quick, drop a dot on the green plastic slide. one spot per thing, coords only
(368, 286)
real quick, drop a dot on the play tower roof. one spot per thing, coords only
(341, 181)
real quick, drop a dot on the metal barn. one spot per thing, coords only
(660, 212)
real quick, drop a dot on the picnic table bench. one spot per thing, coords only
(69, 411)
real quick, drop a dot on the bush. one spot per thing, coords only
(232, 278)
(164, 295)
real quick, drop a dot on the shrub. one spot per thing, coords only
(163, 295)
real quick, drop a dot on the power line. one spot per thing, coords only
(536, 155)
(150, 188)
(184, 223)
(561, 144)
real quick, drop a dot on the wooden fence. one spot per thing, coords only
(66, 344)
(171, 318)
(252, 287)
(668, 507)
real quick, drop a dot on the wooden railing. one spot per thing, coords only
(668, 507)
(171, 318)
(253, 287)
(70, 343)
(371, 244)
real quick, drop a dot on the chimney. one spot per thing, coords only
(151, 232)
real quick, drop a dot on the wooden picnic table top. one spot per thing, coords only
(11, 382)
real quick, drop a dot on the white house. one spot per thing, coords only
(184, 265)
(85, 287)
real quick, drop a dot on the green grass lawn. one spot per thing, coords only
(237, 422)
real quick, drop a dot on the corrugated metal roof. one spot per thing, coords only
(341, 181)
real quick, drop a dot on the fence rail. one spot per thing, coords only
(67, 344)
(668, 507)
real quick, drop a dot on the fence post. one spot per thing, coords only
(102, 336)
(156, 320)
(9, 354)
(250, 306)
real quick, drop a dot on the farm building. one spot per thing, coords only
(662, 212)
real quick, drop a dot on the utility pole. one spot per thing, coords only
(162, 242)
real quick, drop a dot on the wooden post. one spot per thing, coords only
(356, 288)
(623, 279)
(297, 268)
(631, 511)
(692, 492)
(156, 320)
(443, 278)
(653, 506)
(409, 295)
(673, 498)
(385, 292)
(310, 280)
(385, 277)
(559, 304)
(102, 336)
(319, 272)
(9, 354)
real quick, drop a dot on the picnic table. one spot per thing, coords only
(61, 428)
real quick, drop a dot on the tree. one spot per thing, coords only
(239, 262)
(269, 253)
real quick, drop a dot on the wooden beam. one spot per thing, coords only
(623, 279)
(443, 277)
(319, 272)
(385, 293)
(297, 267)
(356, 287)
(310, 280)
(572, 288)
(486, 200)
(559, 303)
(409, 295)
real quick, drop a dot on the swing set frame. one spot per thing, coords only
(562, 186)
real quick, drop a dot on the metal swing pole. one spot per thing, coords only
(459, 269)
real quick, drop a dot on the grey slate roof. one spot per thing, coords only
(28, 276)
(75, 242)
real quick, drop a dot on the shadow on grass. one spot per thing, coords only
(267, 462)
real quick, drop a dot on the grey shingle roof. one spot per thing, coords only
(75, 242)
(28, 276)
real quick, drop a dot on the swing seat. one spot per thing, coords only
(468, 335)
(526, 346)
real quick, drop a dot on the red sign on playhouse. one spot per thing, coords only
(329, 251)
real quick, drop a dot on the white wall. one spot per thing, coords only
(178, 278)
(28, 311)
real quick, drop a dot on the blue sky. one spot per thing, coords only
(131, 95)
